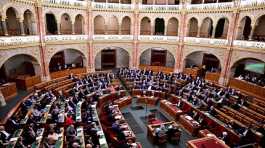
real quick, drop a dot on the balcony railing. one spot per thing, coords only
(115, 6)
(112, 37)
(252, 3)
(160, 7)
(65, 38)
(207, 41)
(18, 40)
(226, 5)
(158, 38)
(74, 3)
(249, 44)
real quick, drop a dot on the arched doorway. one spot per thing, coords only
(241, 68)
(193, 27)
(244, 29)
(126, 26)
(67, 59)
(222, 28)
(79, 24)
(172, 27)
(206, 28)
(159, 26)
(51, 24)
(12, 22)
(19, 65)
(157, 57)
(99, 25)
(112, 57)
(145, 26)
(113, 25)
(259, 32)
(66, 24)
(200, 58)
(29, 23)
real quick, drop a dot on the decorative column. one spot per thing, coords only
(224, 76)
(59, 27)
(3, 21)
(182, 33)
(165, 30)
(213, 32)
(89, 31)
(136, 32)
(152, 27)
(253, 26)
(42, 46)
(21, 25)
(73, 28)
(119, 30)
(199, 31)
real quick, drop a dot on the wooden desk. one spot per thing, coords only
(248, 88)
(157, 68)
(9, 90)
(151, 129)
(206, 142)
(194, 72)
(147, 100)
(67, 72)
(189, 124)
(205, 133)
(27, 82)
(171, 109)
(212, 76)
(123, 102)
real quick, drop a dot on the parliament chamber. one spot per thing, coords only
(132, 73)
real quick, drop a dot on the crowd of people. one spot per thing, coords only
(253, 79)
(201, 94)
(62, 114)
(63, 110)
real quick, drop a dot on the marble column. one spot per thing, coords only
(59, 28)
(213, 33)
(4, 27)
(199, 31)
(21, 25)
(73, 28)
(251, 32)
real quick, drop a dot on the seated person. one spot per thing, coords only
(171, 131)
(29, 135)
(71, 132)
(4, 136)
(224, 137)
(52, 137)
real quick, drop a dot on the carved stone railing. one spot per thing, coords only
(249, 44)
(112, 6)
(211, 6)
(66, 38)
(112, 37)
(160, 8)
(18, 40)
(158, 38)
(205, 41)
(252, 3)
(69, 3)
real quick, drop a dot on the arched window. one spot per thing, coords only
(145, 26)
(51, 24)
(126, 25)
(172, 27)
(99, 25)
